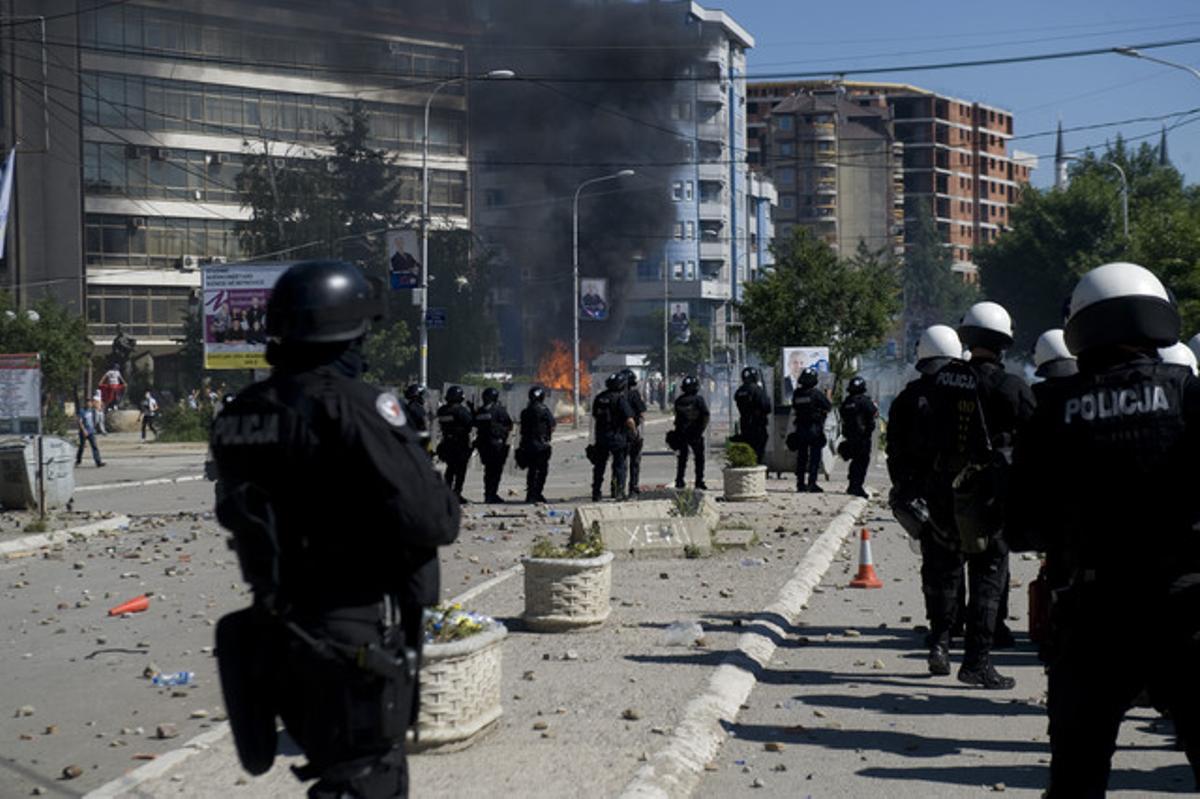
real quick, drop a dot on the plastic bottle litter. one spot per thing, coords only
(683, 633)
(178, 678)
(752, 562)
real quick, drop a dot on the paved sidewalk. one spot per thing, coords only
(848, 709)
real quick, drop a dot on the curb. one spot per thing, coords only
(40, 540)
(157, 481)
(582, 435)
(675, 770)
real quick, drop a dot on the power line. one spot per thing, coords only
(51, 17)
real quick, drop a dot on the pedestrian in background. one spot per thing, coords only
(86, 422)
(101, 421)
(149, 412)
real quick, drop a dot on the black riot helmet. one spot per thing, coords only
(615, 382)
(808, 378)
(322, 302)
(630, 376)
(537, 394)
(750, 375)
(690, 385)
(454, 395)
(490, 395)
(414, 391)
(856, 386)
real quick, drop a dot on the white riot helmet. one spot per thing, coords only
(988, 325)
(1121, 303)
(1051, 358)
(1194, 345)
(939, 344)
(1179, 354)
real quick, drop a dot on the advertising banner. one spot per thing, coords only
(235, 314)
(593, 299)
(680, 324)
(20, 394)
(796, 360)
(404, 266)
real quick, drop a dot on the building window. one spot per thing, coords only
(156, 242)
(691, 231)
(787, 202)
(154, 311)
(690, 273)
(648, 271)
(787, 148)
(677, 190)
(677, 270)
(785, 122)
(678, 231)
(689, 190)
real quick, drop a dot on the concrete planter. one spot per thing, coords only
(122, 421)
(565, 593)
(460, 690)
(745, 484)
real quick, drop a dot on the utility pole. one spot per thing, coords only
(666, 332)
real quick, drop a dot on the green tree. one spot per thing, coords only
(55, 332)
(933, 293)
(813, 298)
(685, 357)
(1057, 235)
(389, 354)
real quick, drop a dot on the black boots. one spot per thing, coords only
(984, 675)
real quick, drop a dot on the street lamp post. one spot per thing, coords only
(1135, 53)
(495, 74)
(624, 173)
(1124, 191)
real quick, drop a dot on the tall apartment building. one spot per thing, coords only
(723, 223)
(955, 160)
(152, 106)
(838, 168)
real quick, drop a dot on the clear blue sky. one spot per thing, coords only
(806, 36)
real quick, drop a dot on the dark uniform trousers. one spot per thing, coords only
(492, 456)
(696, 445)
(860, 459)
(619, 452)
(942, 585)
(808, 459)
(538, 470)
(635, 464)
(457, 456)
(754, 432)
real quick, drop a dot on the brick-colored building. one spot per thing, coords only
(956, 160)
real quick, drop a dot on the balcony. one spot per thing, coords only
(712, 131)
(714, 172)
(711, 91)
(713, 251)
(714, 209)
(826, 187)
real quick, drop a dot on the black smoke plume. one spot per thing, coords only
(595, 88)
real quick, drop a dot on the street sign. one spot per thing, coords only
(20, 394)
(435, 318)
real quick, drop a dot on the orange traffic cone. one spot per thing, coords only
(866, 577)
(135, 605)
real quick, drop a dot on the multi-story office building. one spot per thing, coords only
(722, 226)
(837, 165)
(955, 159)
(152, 106)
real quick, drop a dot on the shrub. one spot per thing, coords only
(590, 547)
(180, 423)
(739, 455)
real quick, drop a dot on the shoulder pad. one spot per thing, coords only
(390, 409)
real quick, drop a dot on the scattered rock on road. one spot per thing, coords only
(631, 714)
(71, 772)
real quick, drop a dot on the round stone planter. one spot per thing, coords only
(460, 690)
(122, 421)
(566, 593)
(745, 484)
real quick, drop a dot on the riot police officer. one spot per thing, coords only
(331, 642)
(1105, 475)
(810, 407)
(1179, 354)
(454, 450)
(615, 427)
(638, 403)
(754, 412)
(537, 428)
(977, 407)
(911, 453)
(1051, 358)
(691, 422)
(492, 428)
(416, 412)
(857, 412)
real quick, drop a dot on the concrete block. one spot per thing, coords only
(648, 528)
(733, 539)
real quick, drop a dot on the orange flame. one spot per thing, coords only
(555, 371)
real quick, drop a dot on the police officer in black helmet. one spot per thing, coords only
(754, 412)
(455, 422)
(810, 407)
(331, 642)
(635, 444)
(857, 412)
(416, 412)
(615, 426)
(537, 428)
(691, 422)
(1104, 474)
(492, 428)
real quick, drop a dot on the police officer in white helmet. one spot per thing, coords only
(1051, 358)
(1104, 473)
(1179, 354)
(977, 408)
(910, 455)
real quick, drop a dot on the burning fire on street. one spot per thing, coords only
(556, 373)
